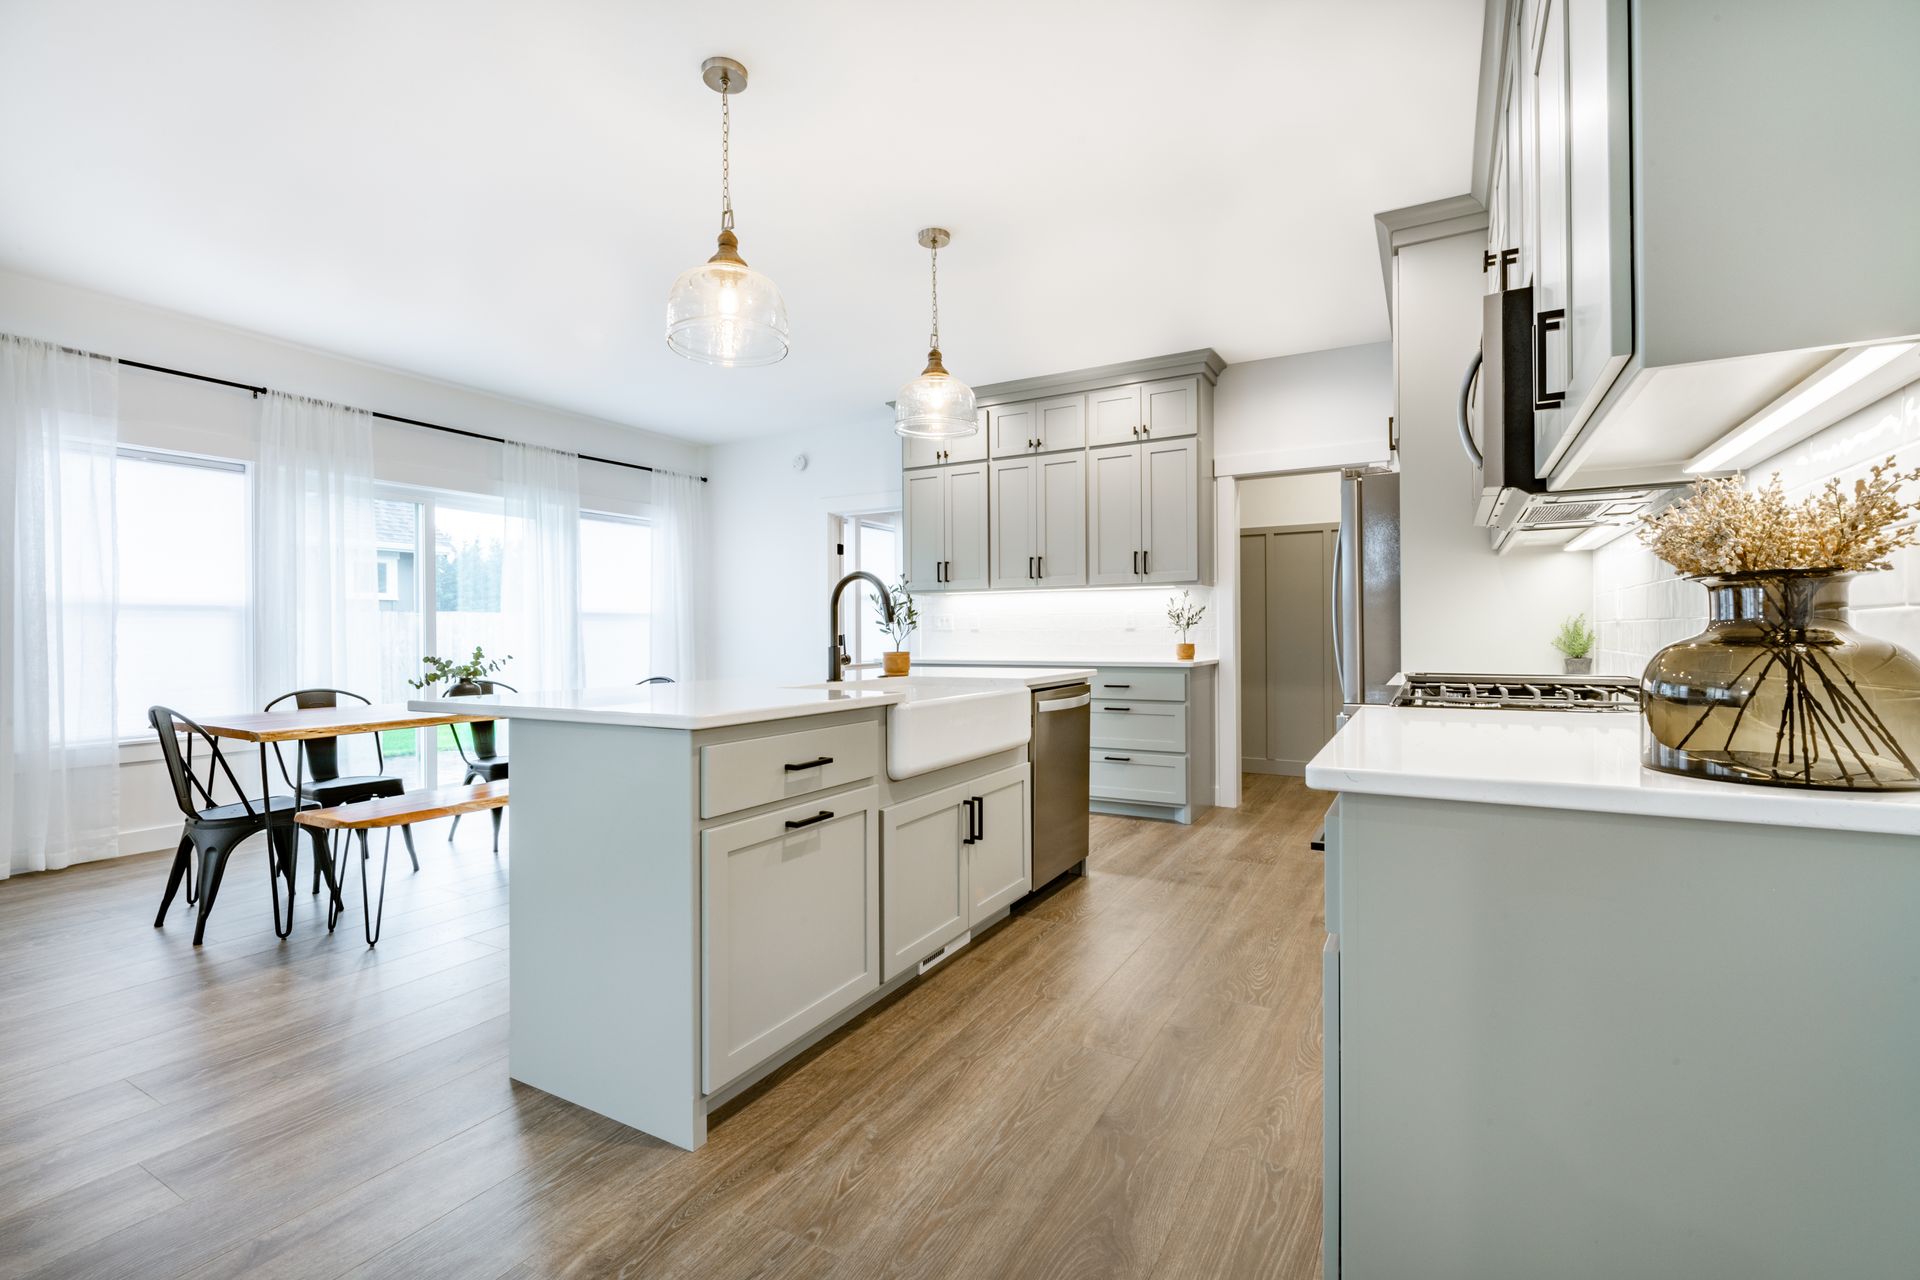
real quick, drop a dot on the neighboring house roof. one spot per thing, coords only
(395, 525)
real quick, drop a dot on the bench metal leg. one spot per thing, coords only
(497, 815)
(406, 833)
(371, 912)
(452, 830)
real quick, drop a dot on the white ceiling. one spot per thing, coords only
(498, 194)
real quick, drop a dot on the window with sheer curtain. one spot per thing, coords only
(616, 599)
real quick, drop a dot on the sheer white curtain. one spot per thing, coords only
(59, 758)
(316, 605)
(679, 573)
(540, 573)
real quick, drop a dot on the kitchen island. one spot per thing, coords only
(1583, 1019)
(710, 877)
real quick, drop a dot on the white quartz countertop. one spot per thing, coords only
(1568, 760)
(713, 704)
(1056, 663)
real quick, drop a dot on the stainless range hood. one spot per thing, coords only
(1498, 392)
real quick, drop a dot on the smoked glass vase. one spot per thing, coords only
(1779, 690)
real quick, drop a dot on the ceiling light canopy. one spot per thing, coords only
(936, 405)
(723, 312)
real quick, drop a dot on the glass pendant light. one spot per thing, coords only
(723, 312)
(936, 405)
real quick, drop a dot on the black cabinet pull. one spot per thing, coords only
(1111, 709)
(1119, 759)
(1029, 566)
(979, 817)
(1146, 562)
(821, 816)
(1136, 562)
(1116, 686)
(968, 838)
(809, 764)
(1039, 566)
(1547, 322)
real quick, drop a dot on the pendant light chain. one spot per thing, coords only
(726, 161)
(934, 340)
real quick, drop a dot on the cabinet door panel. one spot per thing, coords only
(971, 448)
(924, 520)
(967, 527)
(1061, 423)
(924, 904)
(999, 862)
(1113, 516)
(1170, 408)
(1599, 245)
(1170, 516)
(1113, 415)
(1014, 429)
(1013, 540)
(915, 452)
(1549, 67)
(1061, 519)
(789, 927)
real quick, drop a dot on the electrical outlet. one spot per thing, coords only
(943, 623)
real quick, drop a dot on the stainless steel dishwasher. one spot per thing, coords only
(1061, 726)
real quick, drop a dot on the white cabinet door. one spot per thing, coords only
(790, 926)
(1599, 213)
(923, 496)
(1170, 517)
(1113, 415)
(971, 448)
(924, 904)
(1060, 520)
(999, 859)
(1015, 429)
(1113, 516)
(1170, 408)
(1061, 423)
(915, 452)
(1013, 533)
(1551, 265)
(966, 527)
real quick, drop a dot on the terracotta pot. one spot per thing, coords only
(1184, 652)
(895, 663)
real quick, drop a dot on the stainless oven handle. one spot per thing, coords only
(1064, 704)
(1466, 399)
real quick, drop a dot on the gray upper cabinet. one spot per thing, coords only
(1661, 200)
(944, 515)
(938, 453)
(1038, 530)
(1096, 478)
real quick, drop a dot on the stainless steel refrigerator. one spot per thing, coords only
(1366, 589)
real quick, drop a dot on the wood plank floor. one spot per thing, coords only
(1123, 1081)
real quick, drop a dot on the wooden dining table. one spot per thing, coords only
(302, 725)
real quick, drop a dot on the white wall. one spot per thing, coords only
(1311, 412)
(768, 600)
(1641, 605)
(1313, 498)
(163, 412)
(1462, 608)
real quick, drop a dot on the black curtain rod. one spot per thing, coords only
(385, 417)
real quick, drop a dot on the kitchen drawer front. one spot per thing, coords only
(1140, 684)
(1139, 777)
(1139, 726)
(740, 775)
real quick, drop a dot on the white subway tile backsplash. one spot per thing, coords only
(1123, 622)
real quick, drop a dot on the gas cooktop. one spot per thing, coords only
(1535, 693)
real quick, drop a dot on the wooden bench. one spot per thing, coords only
(389, 812)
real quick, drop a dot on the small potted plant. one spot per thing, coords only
(464, 675)
(1575, 641)
(905, 619)
(1184, 615)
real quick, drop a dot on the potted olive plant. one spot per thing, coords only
(1575, 641)
(465, 676)
(903, 623)
(1183, 616)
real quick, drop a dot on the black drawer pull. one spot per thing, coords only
(1119, 759)
(1116, 708)
(821, 816)
(1116, 686)
(809, 764)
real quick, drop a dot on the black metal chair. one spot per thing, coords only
(656, 680)
(323, 784)
(486, 764)
(213, 831)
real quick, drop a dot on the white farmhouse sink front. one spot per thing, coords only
(946, 721)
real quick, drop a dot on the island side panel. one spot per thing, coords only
(1590, 1045)
(605, 923)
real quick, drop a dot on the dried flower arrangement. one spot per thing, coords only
(1724, 527)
